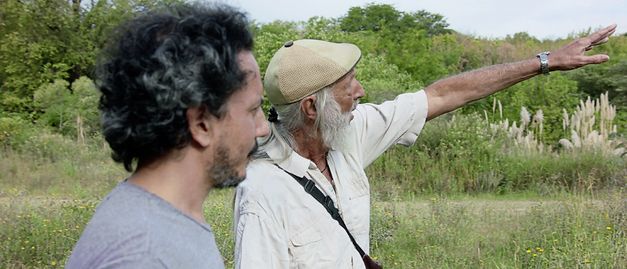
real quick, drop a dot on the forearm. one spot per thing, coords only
(453, 92)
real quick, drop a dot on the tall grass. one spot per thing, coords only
(38, 162)
(574, 232)
(445, 234)
(40, 233)
(49, 186)
(475, 154)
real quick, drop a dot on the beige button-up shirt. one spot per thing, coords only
(279, 225)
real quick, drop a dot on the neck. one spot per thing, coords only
(310, 147)
(173, 178)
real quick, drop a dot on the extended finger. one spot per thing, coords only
(599, 42)
(596, 59)
(602, 34)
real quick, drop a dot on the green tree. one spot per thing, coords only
(270, 37)
(70, 113)
(380, 17)
(373, 17)
(43, 41)
(434, 24)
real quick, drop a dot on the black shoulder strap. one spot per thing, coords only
(327, 202)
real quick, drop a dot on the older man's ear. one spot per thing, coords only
(308, 106)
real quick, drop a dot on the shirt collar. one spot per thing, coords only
(294, 163)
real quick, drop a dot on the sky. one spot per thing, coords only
(543, 19)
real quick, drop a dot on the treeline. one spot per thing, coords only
(48, 50)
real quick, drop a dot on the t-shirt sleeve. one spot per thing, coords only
(378, 127)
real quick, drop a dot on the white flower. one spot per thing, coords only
(525, 118)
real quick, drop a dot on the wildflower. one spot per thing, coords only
(538, 117)
(528, 250)
(609, 228)
(525, 117)
(500, 109)
(566, 143)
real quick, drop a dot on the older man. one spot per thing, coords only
(181, 98)
(306, 202)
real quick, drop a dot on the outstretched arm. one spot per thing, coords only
(453, 92)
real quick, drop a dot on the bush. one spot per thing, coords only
(13, 131)
(461, 154)
(71, 113)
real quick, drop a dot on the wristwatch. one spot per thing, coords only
(544, 62)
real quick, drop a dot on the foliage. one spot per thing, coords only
(551, 94)
(42, 41)
(70, 113)
(383, 80)
(462, 154)
(269, 38)
(384, 17)
(14, 131)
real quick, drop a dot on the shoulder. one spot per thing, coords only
(132, 227)
(265, 189)
(108, 238)
(261, 173)
(263, 178)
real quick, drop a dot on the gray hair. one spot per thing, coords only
(292, 118)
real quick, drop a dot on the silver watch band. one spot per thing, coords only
(544, 62)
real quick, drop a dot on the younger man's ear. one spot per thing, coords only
(198, 123)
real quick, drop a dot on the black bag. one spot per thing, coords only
(370, 263)
(327, 202)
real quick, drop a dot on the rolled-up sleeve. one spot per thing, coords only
(378, 127)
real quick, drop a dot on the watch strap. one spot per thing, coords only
(544, 62)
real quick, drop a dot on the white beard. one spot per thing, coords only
(333, 124)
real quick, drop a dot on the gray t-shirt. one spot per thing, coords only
(133, 228)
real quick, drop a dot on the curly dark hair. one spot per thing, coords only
(162, 63)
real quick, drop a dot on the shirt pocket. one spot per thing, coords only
(305, 248)
(305, 237)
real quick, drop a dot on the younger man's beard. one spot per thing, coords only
(224, 171)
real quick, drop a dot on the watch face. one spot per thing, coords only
(544, 62)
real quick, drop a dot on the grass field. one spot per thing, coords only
(512, 231)
(460, 198)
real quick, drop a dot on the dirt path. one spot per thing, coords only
(475, 206)
(480, 206)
